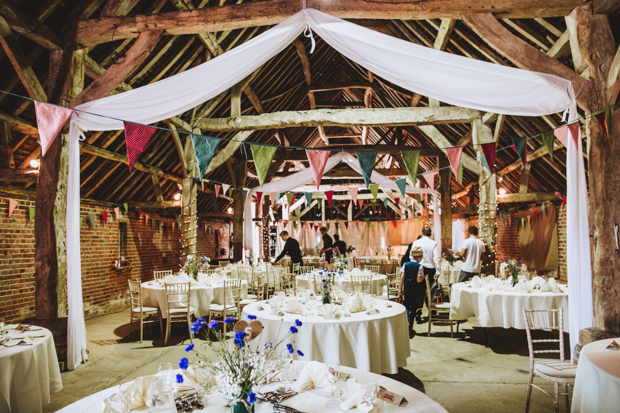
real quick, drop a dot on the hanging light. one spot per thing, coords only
(229, 210)
(502, 191)
(177, 196)
(34, 163)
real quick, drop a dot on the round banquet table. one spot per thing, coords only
(378, 281)
(28, 373)
(307, 401)
(498, 308)
(201, 297)
(378, 343)
(597, 385)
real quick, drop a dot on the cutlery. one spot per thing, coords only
(282, 408)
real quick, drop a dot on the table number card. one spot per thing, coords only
(389, 397)
(614, 345)
(372, 311)
(277, 313)
(335, 316)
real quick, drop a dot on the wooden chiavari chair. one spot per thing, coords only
(364, 282)
(158, 275)
(179, 310)
(232, 291)
(139, 312)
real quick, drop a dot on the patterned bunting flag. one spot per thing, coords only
(574, 130)
(454, 156)
(12, 204)
(30, 214)
(117, 212)
(308, 196)
(137, 137)
(402, 185)
(50, 120)
(549, 140)
(488, 149)
(104, 215)
(353, 193)
(204, 149)
(520, 146)
(604, 119)
(562, 134)
(329, 195)
(318, 160)
(374, 189)
(218, 188)
(262, 155)
(430, 179)
(411, 160)
(366, 160)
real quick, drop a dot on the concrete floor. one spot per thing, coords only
(459, 373)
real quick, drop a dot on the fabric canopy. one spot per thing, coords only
(442, 76)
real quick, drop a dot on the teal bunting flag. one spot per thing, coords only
(204, 149)
(245, 194)
(402, 185)
(308, 197)
(367, 163)
(385, 202)
(278, 197)
(520, 145)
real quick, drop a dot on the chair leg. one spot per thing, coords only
(141, 326)
(189, 325)
(161, 327)
(451, 330)
(566, 398)
(130, 323)
(556, 398)
(168, 324)
(529, 391)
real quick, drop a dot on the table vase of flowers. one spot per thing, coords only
(513, 268)
(389, 252)
(193, 265)
(238, 367)
(328, 284)
(376, 249)
(341, 263)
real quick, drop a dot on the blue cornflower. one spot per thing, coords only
(298, 323)
(294, 330)
(179, 378)
(240, 339)
(189, 348)
(184, 363)
(324, 287)
(194, 328)
(324, 280)
(201, 321)
(251, 317)
(229, 320)
(252, 398)
(311, 295)
(290, 348)
(329, 275)
(300, 353)
(214, 324)
(268, 345)
(321, 272)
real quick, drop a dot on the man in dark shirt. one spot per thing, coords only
(340, 245)
(327, 245)
(291, 247)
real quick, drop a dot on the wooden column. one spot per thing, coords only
(445, 191)
(189, 224)
(488, 188)
(323, 211)
(239, 176)
(6, 151)
(266, 232)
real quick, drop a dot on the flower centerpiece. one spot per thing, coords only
(389, 252)
(350, 249)
(193, 265)
(376, 249)
(238, 367)
(513, 268)
(449, 257)
(250, 257)
(328, 284)
(341, 263)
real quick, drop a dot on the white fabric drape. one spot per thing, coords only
(443, 76)
(458, 235)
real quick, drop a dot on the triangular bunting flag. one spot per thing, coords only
(50, 120)
(535, 216)
(353, 193)
(529, 220)
(395, 223)
(312, 225)
(388, 215)
(329, 195)
(137, 137)
(509, 221)
(126, 206)
(402, 185)
(259, 198)
(383, 224)
(337, 225)
(522, 222)
(262, 155)
(454, 156)
(91, 219)
(165, 226)
(374, 189)
(366, 160)
(173, 223)
(230, 191)
(104, 215)
(293, 200)
(416, 219)
(544, 209)
(152, 221)
(146, 218)
(604, 119)
(278, 196)
(574, 131)
(397, 201)
(373, 201)
(117, 212)
(245, 193)
(327, 226)
(563, 202)
(81, 220)
(295, 224)
(430, 179)
(360, 202)
(520, 146)
(562, 134)
(30, 214)
(289, 199)
(272, 198)
(549, 140)
(139, 213)
(308, 196)
(317, 160)
(218, 188)
(372, 227)
(459, 177)
(357, 224)
(346, 224)
(385, 202)
(158, 225)
(225, 187)
(204, 149)
(412, 160)
(12, 204)
(367, 220)
(488, 149)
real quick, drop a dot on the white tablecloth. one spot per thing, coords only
(201, 297)
(378, 281)
(377, 343)
(308, 401)
(597, 387)
(501, 308)
(28, 374)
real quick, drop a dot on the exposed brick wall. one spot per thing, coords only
(562, 254)
(507, 240)
(104, 288)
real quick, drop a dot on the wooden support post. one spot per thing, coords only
(266, 231)
(323, 211)
(189, 224)
(524, 179)
(445, 191)
(350, 211)
(487, 207)
(240, 173)
(6, 150)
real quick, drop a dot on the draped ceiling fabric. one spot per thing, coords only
(452, 79)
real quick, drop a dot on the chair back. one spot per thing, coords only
(177, 296)
(546, 320)
(135, 294)
(288, 283)
(261, 289)
(364, 282)
(372, 268)
(223, 263)
(158, 275)
(393, 285)
(306, 269)
(296, 268)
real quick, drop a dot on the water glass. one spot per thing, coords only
(370, 391)
(127, 391)
(166, 375)
(157, 396)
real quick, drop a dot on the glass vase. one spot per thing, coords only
(326, 299)
(241, 407)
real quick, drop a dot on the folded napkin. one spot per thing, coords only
(354, 393)
(313, 376)
(338, 294)
(329, 310)
(293, 306)
(357, 305)
(19, 340)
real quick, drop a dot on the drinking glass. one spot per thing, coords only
(370, 392)
(333, 374)
(127, 391)
(157, 396)
(166, 375)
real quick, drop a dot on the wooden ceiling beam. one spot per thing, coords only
(25, 24)
(528, 197)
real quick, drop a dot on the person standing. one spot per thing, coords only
(432, 259)
(291, 247)
(340, 246)
(328, 246)
(407, 257)
(412, 287)
(473, 247)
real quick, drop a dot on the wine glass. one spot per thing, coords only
(166, 375)
(127, 391)
(333, 374)
(370, 392)
(157, 396)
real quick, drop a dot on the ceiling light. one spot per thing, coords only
(34, 163)
(177, 196)
(502, 191)
(229, 210)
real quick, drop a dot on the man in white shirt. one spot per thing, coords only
(431, 259)
(473, 248)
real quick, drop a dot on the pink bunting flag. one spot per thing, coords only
(562, 134)
(563, 202)
(357, 224)
(360, 202)
(105, 217)
(430, 179)
(12, 204)
(259, 198)
(318, 160)
(272, 198)
(286, 222)
(396, 201)
(117, 212)
(50, 120)
(509, 221)
(454, 156)
(146, 219)
(488, 149)
(353, 193)
(574, 131)
(529, 220)
(329, 195)
(173, 225)
(225, 187)
(395, 223)
(137, 137)
(346, 224)
(218, 188)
